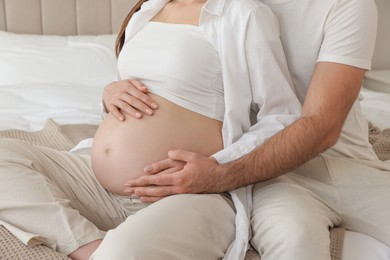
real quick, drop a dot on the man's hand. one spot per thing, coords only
(183, 172)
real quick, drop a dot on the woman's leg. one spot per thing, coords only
(182, 227)
(53, 194)
(290, 222)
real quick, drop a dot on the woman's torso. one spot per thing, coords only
(182, 73)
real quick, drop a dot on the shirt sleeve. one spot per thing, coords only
(350, 33)
(263, 100)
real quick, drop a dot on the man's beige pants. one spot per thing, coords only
(55, 195)
(293, 213)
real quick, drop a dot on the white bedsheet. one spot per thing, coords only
(376, 107)
(27, 106)
(358, 246)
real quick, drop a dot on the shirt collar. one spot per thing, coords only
(215, 7)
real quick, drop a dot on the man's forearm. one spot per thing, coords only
(333, 90)
(280, 154)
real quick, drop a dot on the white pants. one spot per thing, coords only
(56, 195)
(293, 213)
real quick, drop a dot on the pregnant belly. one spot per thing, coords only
(121, 150)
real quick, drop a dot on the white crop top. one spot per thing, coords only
(178, 63)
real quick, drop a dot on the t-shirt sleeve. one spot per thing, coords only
(350, 33)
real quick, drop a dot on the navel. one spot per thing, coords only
(107, 150)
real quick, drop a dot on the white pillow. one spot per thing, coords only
(58, 77)
(73, 63)
(27, 58)
(11, 40)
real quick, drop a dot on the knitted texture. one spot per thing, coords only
(380, 141)
(336, 243)
(53, 135)
(12, 249)
(65, 137)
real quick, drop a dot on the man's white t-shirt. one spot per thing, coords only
(340, 31)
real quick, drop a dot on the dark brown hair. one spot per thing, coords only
(120, 40)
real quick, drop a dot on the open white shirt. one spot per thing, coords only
(259, 97)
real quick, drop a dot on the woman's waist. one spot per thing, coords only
(122, 149)
(209, 103)
(169, 123)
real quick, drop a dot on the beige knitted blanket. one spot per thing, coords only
(65, 137)
(380, 141)
(53, 135)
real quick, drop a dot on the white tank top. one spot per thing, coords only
(178, 63)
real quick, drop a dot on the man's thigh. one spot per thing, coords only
(363, 188)
(287, 217)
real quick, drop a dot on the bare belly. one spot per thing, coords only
(121, 150)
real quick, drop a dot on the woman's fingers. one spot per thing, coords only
(138, 85)
(132, 103)
(140, 92)
(119, 107)
(130, 97)
(113, 110)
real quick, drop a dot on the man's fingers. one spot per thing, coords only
(150, 199)
(182, 155)
(158, 180)
(151, 194)
(160, 166)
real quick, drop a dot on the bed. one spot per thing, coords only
(56, 57)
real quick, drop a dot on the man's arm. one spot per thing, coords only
(332, 92)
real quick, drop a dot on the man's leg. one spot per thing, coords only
(200, 226)
(290, 222)
(364, 191)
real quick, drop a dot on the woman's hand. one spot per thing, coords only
(127, 96)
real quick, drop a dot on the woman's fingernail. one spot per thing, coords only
(154, 105)
(137, 115)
